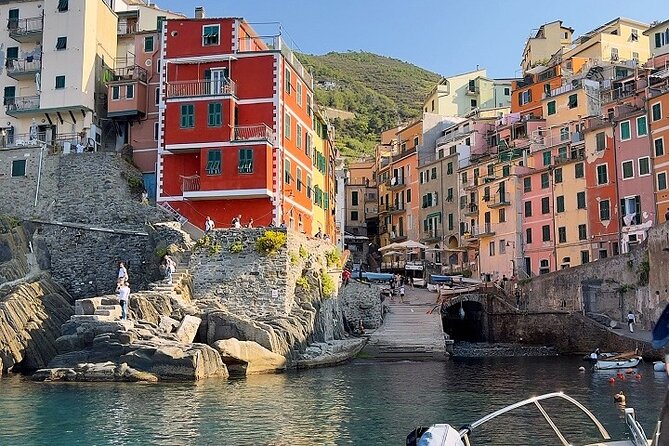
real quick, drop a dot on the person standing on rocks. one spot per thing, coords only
(124, 298)
(208, 224)
(631, 320)
(122, 274)
(170, 268)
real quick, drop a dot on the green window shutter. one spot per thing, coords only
(148, 44)
(625, 130)
(12, 53)
(159, 22)
(60, 82)
(213, 162)
(657, 112)
(187, 116)
(214, 117)
(326, 201)
(19, 168)
(641, 126)
(551, 108)
(10, 94)
(245, 160)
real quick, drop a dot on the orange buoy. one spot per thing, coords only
(638, 376)
(629, 371)
(612, 380)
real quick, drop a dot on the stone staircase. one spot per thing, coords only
(182, 270)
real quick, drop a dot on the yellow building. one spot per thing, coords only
(321, 182)
(549, 39)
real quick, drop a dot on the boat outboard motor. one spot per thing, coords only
(437, 435)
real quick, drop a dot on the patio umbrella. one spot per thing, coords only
(410, 244)
(391, 246)
(392, 253)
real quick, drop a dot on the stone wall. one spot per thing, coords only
(362, 302)
(657, 246)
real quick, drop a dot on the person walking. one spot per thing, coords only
(170, 268)
(237, 221)
(631, 320)
(124, 298)
(208, 224)
(402, 293)
(122, 274)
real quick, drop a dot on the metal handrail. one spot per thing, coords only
(181, 89)
(25, 26)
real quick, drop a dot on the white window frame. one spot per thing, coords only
(622, 169)
(657, 179)
(25, 168)
(629, 124)
(116, 88)
(637, 126)
(606, 166)
(647, 158)
(217, 25)
(130, 91)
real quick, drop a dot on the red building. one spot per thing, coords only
(235, 125)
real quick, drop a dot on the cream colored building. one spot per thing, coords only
(658, 38)
(549, 38)
(468, 93)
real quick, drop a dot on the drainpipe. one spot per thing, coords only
(39, 171)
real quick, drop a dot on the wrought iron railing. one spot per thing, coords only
(21, 103)
(19, 27)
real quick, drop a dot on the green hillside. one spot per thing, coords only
(381, 91)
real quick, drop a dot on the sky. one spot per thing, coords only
(443, 36)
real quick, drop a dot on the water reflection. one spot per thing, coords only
(363, 403)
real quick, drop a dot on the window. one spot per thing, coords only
(628, 169)
(602, 174)
(13, 19)
(246, 161)
(116, 93)
(545, 205)
(502, 246)
(299, 93)
(635, 35)
(63, 5)
(298, 136)
(582, 232)
(449, 194)
(12, 53)
(614, 54)
(130, 91)
(451, 222)
(287, 126)
(641, 126)
(213, 162)
(157, 95)
(286, 171)
(580, 200)
(61, 43)
(656, 112)
(625, 132)
(309, 187)
(551, 108)
(601, 141)
(644, 166)
(557, 175)
(491, 170)
(449, 169)
(19, 168)
(354, 215)
(502, 215)
(473, 103)
(562, 234)
(547, 157)
(585, 257)
(155, 131)
(578, 170)
(527, 184)
(573, 101)
(187, 116)
(159, 22)
(491, 249)
(298, 178)
(528, 209)
(525, 97)
(564, 134)
(507, 91)
(559, 203)
(415, 141)
(354, 198)
(662, 181)
(148, 44)
(546, 233)
(60, 82)
(528, 236)
(409, 196)
(288, 86)
(210, 35)
(604, 210)
(659, 146)
(506, 171)
(433, 174)
(545, 181)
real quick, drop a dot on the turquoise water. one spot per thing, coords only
(361, 403)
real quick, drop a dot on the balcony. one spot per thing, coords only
(471, 185)
(564, 159)
(23, 68)
(190, 183)
(258, 132)
(26, 30)
(471, 209)
(499, 200)
(397, 237)
(21, 105)
(396, 209)
(471, 233)
(191, 89)
(434, 235)
(395, 183)
(125, 28)
(486, 230)
(127, 92)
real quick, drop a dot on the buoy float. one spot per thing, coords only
(582, 369)
(629, 371)
(638, 376)
(612, 380)
(659, 366)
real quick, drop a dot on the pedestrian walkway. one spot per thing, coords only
(411, 330)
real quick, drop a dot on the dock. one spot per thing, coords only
(411, 330)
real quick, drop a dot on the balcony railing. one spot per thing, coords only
(434, 234)
(500, 199)
(190, 183)
(184, 89)
(258, 132)
(471, 209)
(396, 209)
(395, 182)
(21, 104)
(485, 230)
(130, 72)
(126, 28)
(21, 28)
(23, 67)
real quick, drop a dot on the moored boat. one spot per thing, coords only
(621, 361)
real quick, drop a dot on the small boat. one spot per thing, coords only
(446, 435)
(594, 356)
(622, 361)
(384, 277)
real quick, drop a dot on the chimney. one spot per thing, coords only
(199, 12)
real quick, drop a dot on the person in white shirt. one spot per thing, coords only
(124, 298)
(631, 320)
(122, 274)
(208, 224)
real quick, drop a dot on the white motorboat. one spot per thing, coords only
(446, 435)
(617, 363)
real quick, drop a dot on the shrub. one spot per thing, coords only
(271, 242)
(333, 258)
(294, 259)
(644, 272)
(161, 252)
(206, 242)
(237, 247)
(327, 284)
(467, 273)
(303, 283)
(303, 252)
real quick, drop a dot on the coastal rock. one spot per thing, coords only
(188, 329)
(97, 372)
(330, 353)
(168, 324)
(247, 357)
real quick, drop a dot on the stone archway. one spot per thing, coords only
(464, 318)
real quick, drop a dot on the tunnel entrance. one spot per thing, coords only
(468, 327)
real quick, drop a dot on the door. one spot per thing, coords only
(218, 80)
(13, 17)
